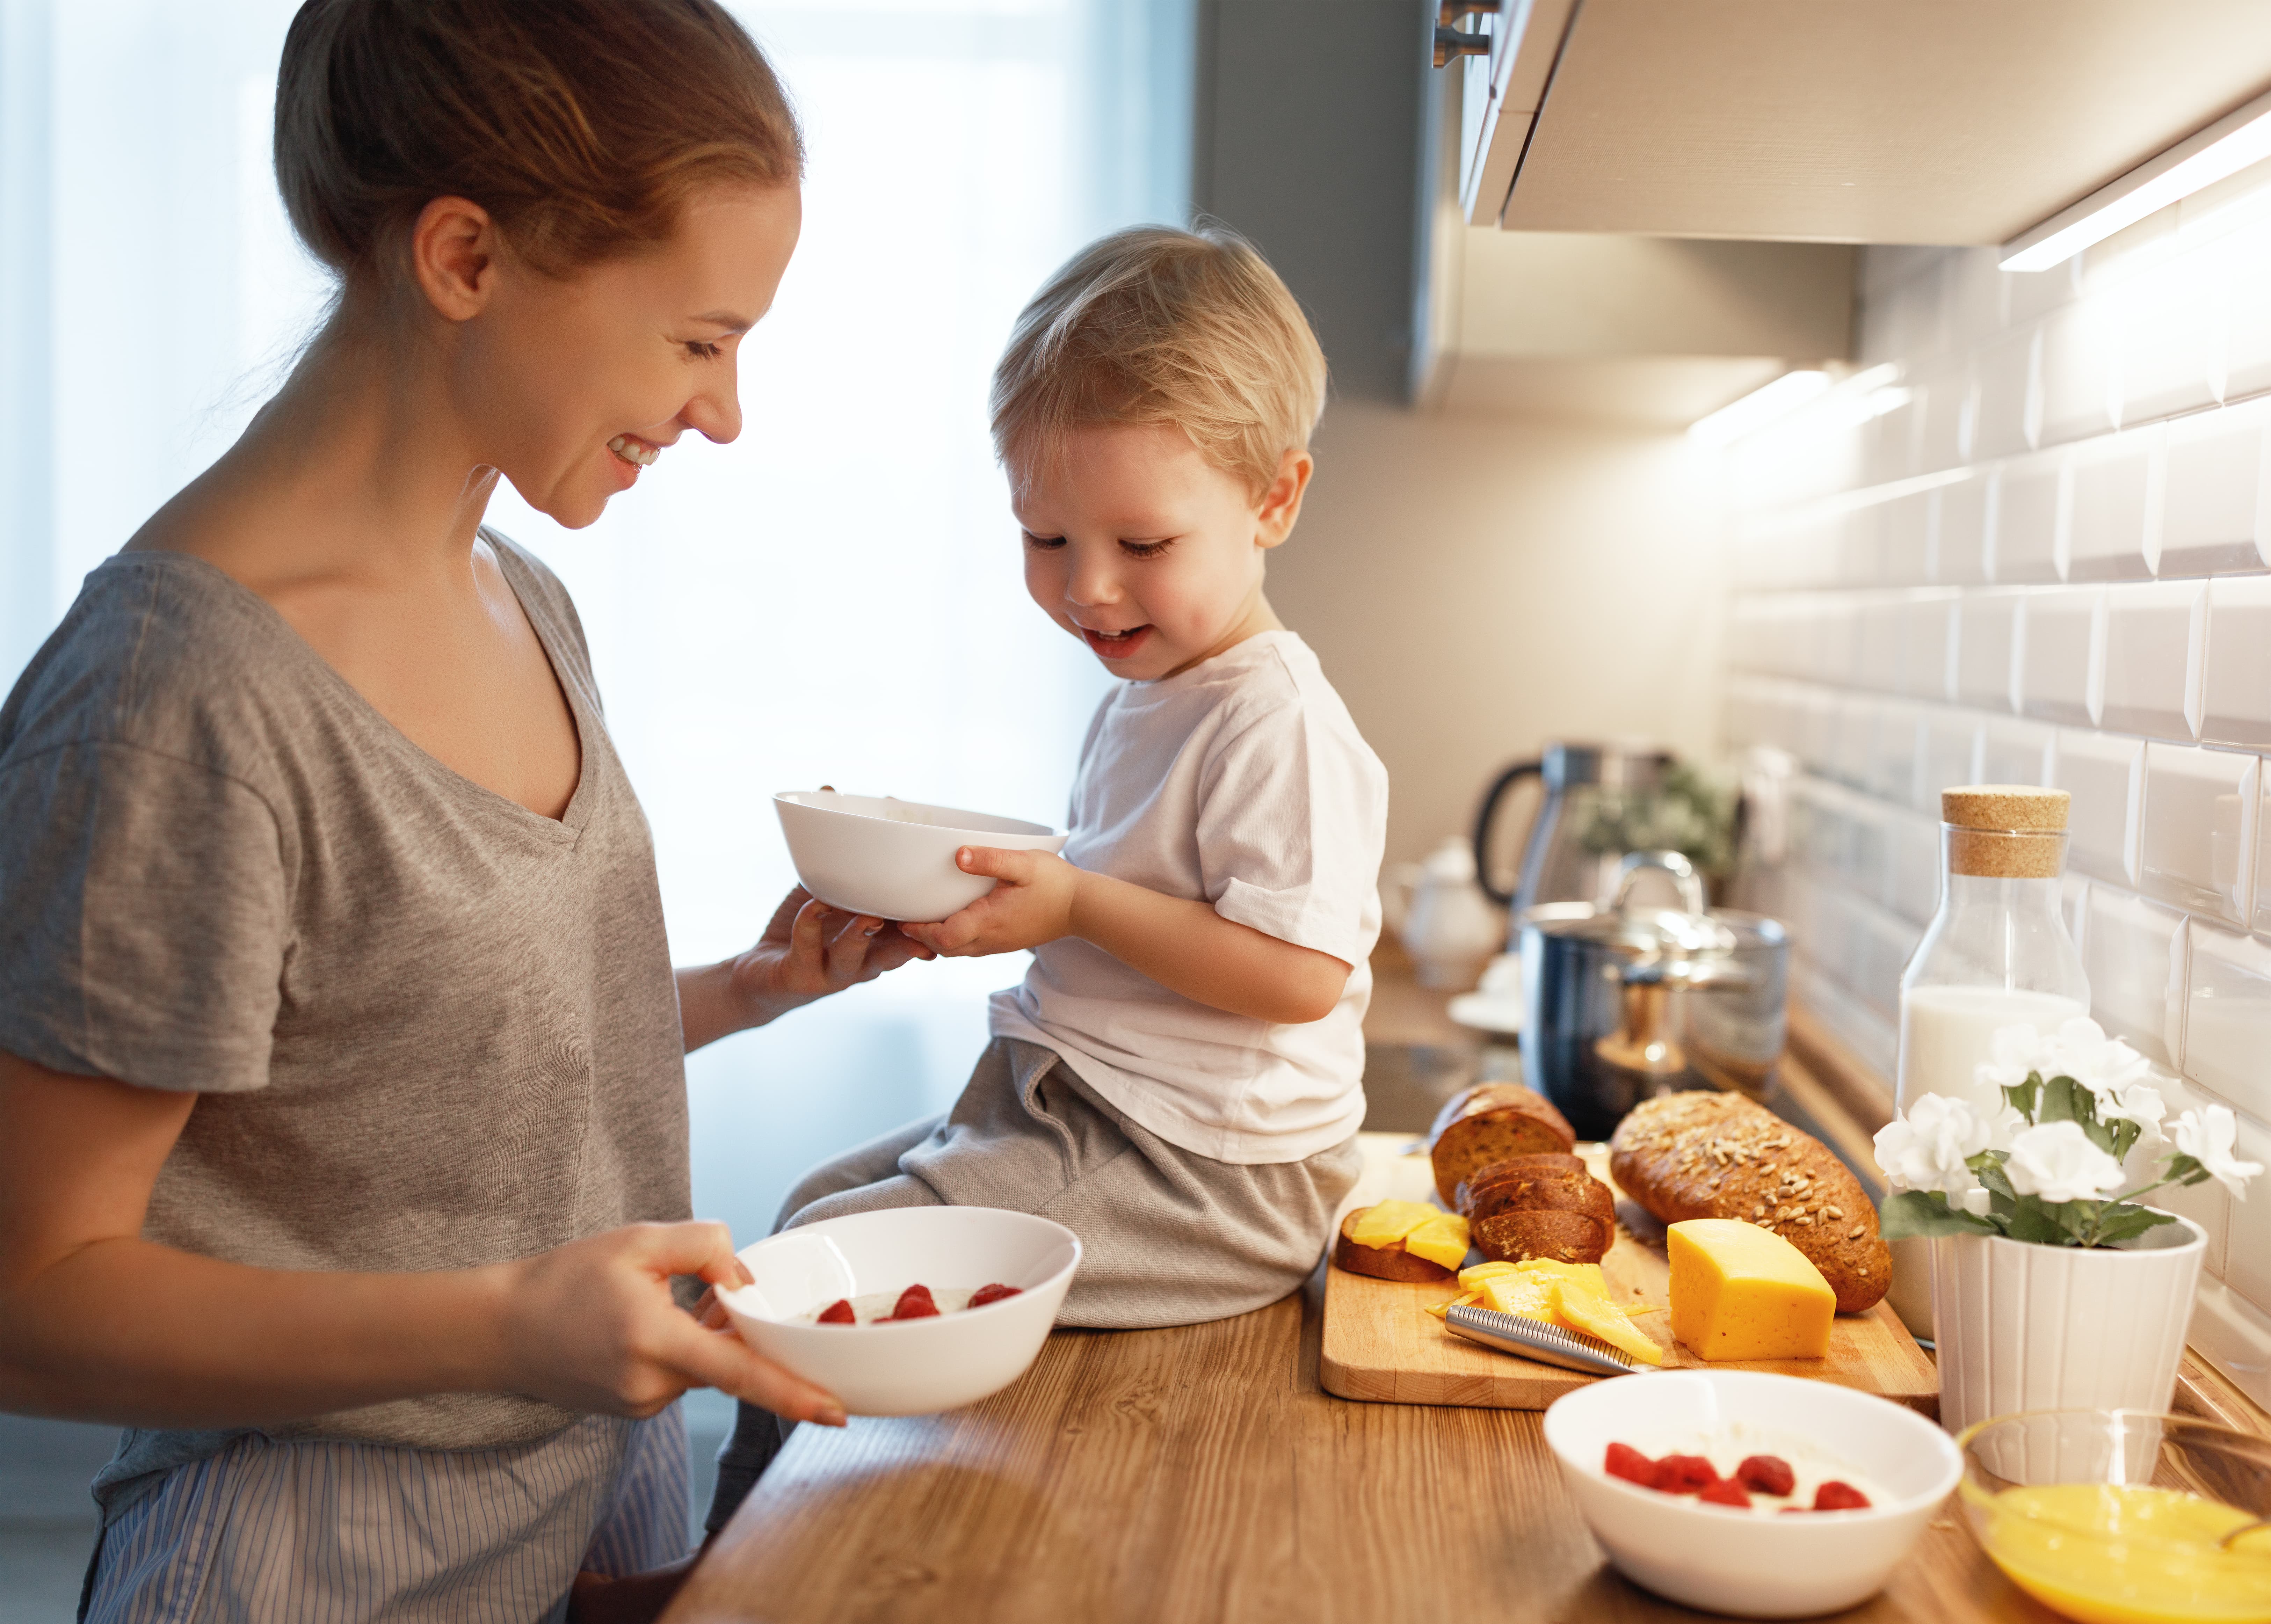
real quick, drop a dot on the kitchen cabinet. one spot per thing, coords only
(1930, 121)
(1649, 330)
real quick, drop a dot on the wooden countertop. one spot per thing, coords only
(1199, 1474)
(1202, 1473)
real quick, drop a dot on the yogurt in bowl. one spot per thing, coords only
(906, 1367)
(1763, 1562)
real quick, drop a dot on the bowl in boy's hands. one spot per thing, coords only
(803, 1280)
(895, 858)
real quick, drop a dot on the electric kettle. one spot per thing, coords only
(1556, 866)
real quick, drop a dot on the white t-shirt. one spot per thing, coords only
(1242, 782)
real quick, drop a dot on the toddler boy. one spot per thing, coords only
(1178, 1080)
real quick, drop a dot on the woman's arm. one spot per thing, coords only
(1179, 943)
(807, 951)
(99, 1325)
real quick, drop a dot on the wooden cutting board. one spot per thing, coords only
(1381, 1344)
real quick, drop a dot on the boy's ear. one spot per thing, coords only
(1281, 504)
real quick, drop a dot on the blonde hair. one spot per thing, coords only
(1154, 325)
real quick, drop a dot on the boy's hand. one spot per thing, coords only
(1031, 903)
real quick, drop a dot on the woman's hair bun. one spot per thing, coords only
(580, 125)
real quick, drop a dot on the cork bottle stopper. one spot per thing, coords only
(2013, 831)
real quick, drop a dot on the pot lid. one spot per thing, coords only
(1638, 933)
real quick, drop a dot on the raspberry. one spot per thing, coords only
(1726, 1491)
(915, 1304)
(838, 1313)
(1834, 1496)
(985, 1295)
(1766, 1474)
(1629, 1464)
(1685, 1474)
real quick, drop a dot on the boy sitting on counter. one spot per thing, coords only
(1178, 1078)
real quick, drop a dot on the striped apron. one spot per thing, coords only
(339, 1533)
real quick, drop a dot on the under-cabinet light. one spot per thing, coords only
(1731, 422)
(2224, 148)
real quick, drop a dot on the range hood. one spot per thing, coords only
(1835, 120)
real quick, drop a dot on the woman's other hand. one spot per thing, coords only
(807, 951)
(1032, 902)
(592, 1326)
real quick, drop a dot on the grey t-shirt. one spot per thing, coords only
(428, 1028)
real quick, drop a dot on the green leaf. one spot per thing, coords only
(2126, 1222)
(2023, 1096)
(1927, 1212)
(2186, 1168)
(2059, 1105)
(2031, 1221)
(1987, 1167)
(2124, 1139)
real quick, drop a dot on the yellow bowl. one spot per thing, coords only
(2111, 1517)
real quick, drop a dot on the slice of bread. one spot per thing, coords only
(1382, 1263)
(1488, 1123)
(1564, 1237)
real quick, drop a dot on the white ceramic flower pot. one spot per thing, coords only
(2026, 1327)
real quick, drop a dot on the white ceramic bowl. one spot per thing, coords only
(907, 1366)
(1752, 1564)
(894, 859)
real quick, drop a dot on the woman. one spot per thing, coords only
(343, 1147)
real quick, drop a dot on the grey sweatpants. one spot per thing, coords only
(1167, 1237)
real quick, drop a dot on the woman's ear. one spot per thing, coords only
(453, 254)
(1281, 504)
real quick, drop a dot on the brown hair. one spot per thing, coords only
(580, 125)
(1154, 325)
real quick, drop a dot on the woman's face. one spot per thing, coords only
(573, 385)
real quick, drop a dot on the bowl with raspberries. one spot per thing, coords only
(1760, 1496)
(910, 1310)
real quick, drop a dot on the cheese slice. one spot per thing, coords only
(1442, 1240)
(1741, 1291)
(1388, 1222)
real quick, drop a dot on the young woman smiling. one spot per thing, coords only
(342, 1110)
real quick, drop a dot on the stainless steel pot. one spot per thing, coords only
(1624, 1003)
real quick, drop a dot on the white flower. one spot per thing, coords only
(2057, 1162)
(2012, 1053)
(1926, 1148)
(2207, 1137)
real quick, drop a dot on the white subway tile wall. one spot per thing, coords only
(2042, 560)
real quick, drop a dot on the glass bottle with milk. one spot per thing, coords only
(1997, 954)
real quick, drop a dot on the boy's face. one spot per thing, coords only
(1144, 549)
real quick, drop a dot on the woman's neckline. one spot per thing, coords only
(567, 828)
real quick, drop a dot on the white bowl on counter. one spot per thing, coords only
(906, 1367)
(1754, 1564)
(895, 858)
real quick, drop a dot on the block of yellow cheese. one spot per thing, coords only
(1741, 1291)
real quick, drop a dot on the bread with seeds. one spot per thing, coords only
(1704, 1154)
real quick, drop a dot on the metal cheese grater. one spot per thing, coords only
(1548, 1344)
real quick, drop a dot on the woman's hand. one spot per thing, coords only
(1031, 903)
(591, 1325)
(807, 951)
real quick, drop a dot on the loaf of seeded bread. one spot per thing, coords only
(1491, 1122)
(1704, 1154)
